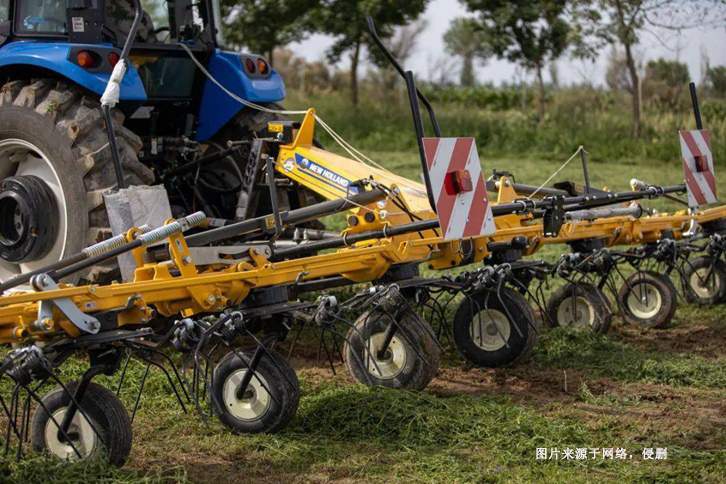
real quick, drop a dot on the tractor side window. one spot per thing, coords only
(41, 17)
(158, 12)
(4, 10)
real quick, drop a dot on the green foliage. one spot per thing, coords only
(664, 81)
(345, 20)
(600, 356)
(716, 79)
(496, 99)
(530, 33)
(263, 25)
(464, 39)
(597, 119)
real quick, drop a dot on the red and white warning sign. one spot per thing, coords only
(698, 167)
(462, 202)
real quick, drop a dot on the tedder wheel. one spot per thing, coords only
(105, 429)
(55, 165)
(487, 329)
(648, 298)
(270, 401)
(411, 360)
(581, 305)
(705, 281)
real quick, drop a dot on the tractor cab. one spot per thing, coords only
(56, 59)
(169, 93)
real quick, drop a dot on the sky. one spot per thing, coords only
(687, 47)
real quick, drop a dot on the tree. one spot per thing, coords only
(716, 79)
(531, 33)
(345, 21)
(466, 40)
(264, 25)
(623, 21)
(402, 45)
(664, 81)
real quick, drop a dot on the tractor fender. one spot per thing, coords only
(217, 107)
(54, 56)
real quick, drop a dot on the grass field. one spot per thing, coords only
(635, 388)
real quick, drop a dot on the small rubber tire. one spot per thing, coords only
(659, 286)
(587, 294)
(699, 268)
(276, 373)
(510, 313)
(403, 367)
(106, 413)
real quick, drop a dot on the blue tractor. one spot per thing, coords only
(56, 57)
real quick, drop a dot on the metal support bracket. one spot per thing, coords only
(554, 217)
(81, 320)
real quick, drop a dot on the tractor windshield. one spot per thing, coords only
(41, 17)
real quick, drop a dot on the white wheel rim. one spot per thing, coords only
(577, 313)
(705, 288)
(388, 365)
(254, 403)
(32, 161)
(81, 433)
(490, 329)
(644, 300)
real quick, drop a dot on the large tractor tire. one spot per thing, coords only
(55, 165)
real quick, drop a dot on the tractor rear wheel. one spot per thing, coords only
(55, 165)
(250, 124)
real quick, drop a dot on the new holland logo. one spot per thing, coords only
(315, 169)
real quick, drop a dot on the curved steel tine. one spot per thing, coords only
(500, 285)
(12, 417)
(173, 385)
(11, 422)
(42, 405)
(122, 376)
(534, 299)
(24, 426)
(254, 375)
(160, 353)
(301, 326)
(327, 352)
(355, 355)
(141, 389)
(406, 336)
(369, 356)
(269, 355)
(78, 405)
(499, 331)
(422, 324)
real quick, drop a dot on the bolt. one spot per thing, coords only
(211, 298)
(186, 260)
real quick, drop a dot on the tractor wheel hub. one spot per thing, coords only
(27, 224)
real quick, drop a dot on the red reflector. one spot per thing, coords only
(113, 59)
(462, 181)
(701, 163)
(262, 66)
(85, 59)
(250, 66)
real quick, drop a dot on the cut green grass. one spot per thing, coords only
(599, 356)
